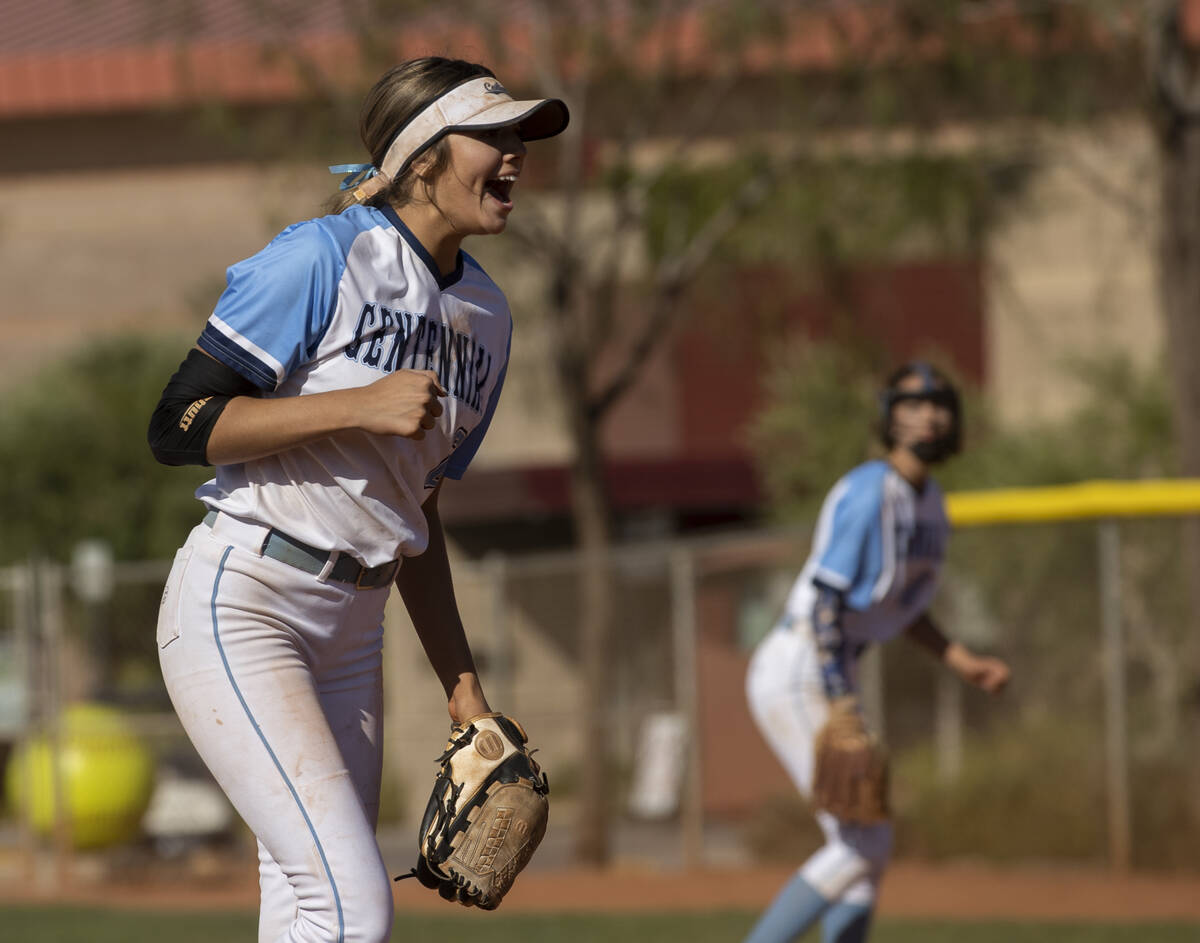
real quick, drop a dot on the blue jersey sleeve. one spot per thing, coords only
(462, 456)
(278, 303)
(850, 558)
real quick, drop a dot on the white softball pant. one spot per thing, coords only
(277, 679)
(783, 688)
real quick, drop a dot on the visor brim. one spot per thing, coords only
(535, 120)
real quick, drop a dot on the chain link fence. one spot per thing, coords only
(1078, 761)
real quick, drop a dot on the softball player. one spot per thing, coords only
(872, 572)
(347, 369)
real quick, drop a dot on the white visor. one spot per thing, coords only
(478, 104)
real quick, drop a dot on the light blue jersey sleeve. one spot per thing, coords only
(278, 303)
(462, 455)
(852, 557)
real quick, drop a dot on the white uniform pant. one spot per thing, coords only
(787, 700)
(277, 679)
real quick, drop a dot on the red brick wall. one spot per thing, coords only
(913, 309)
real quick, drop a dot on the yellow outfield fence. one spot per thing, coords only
(1106, 502)
(1081, 500)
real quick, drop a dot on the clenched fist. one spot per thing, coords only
(404, 403)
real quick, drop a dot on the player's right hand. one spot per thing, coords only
(984, 671)
(404, 403)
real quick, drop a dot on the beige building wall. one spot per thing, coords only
(83, 256)
(86, 255)
(1069, 274)
(1070, 269)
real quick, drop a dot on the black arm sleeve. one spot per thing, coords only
(833, 653)
(189, 407)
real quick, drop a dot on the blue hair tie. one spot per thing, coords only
(355, 174)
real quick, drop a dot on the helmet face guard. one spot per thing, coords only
(935, 388)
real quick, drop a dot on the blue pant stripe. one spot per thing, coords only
(274, 759)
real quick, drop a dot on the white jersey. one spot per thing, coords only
(335, 303)
(881, 543)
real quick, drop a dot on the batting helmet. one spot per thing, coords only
(935, 388)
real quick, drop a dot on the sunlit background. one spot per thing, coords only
(757, 210)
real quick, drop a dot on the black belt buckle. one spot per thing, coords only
(373, 572)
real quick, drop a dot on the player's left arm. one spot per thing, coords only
(984, 671)
(427, 589)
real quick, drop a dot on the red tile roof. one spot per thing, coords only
(149, 76)
(50, 26)
(61, 56)
(1189, 18)
(64, 56)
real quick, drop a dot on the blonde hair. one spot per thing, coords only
(399, 95)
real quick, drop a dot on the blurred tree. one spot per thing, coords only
(631, 72)
(823, 413)
(630, 76)
(74, 463)
(686, 117)
(1173, 44)
(1174, 57)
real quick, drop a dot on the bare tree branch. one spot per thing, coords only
(1174, 79)
(1111, 191)
(546, 69)
(672, 277)
(535, 230)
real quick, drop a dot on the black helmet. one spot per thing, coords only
(936, 388)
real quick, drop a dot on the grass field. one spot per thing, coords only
(94, 925)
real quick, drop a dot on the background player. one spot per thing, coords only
(872, 572)
(347, 368)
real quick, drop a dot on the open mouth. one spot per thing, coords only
(500, 188)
